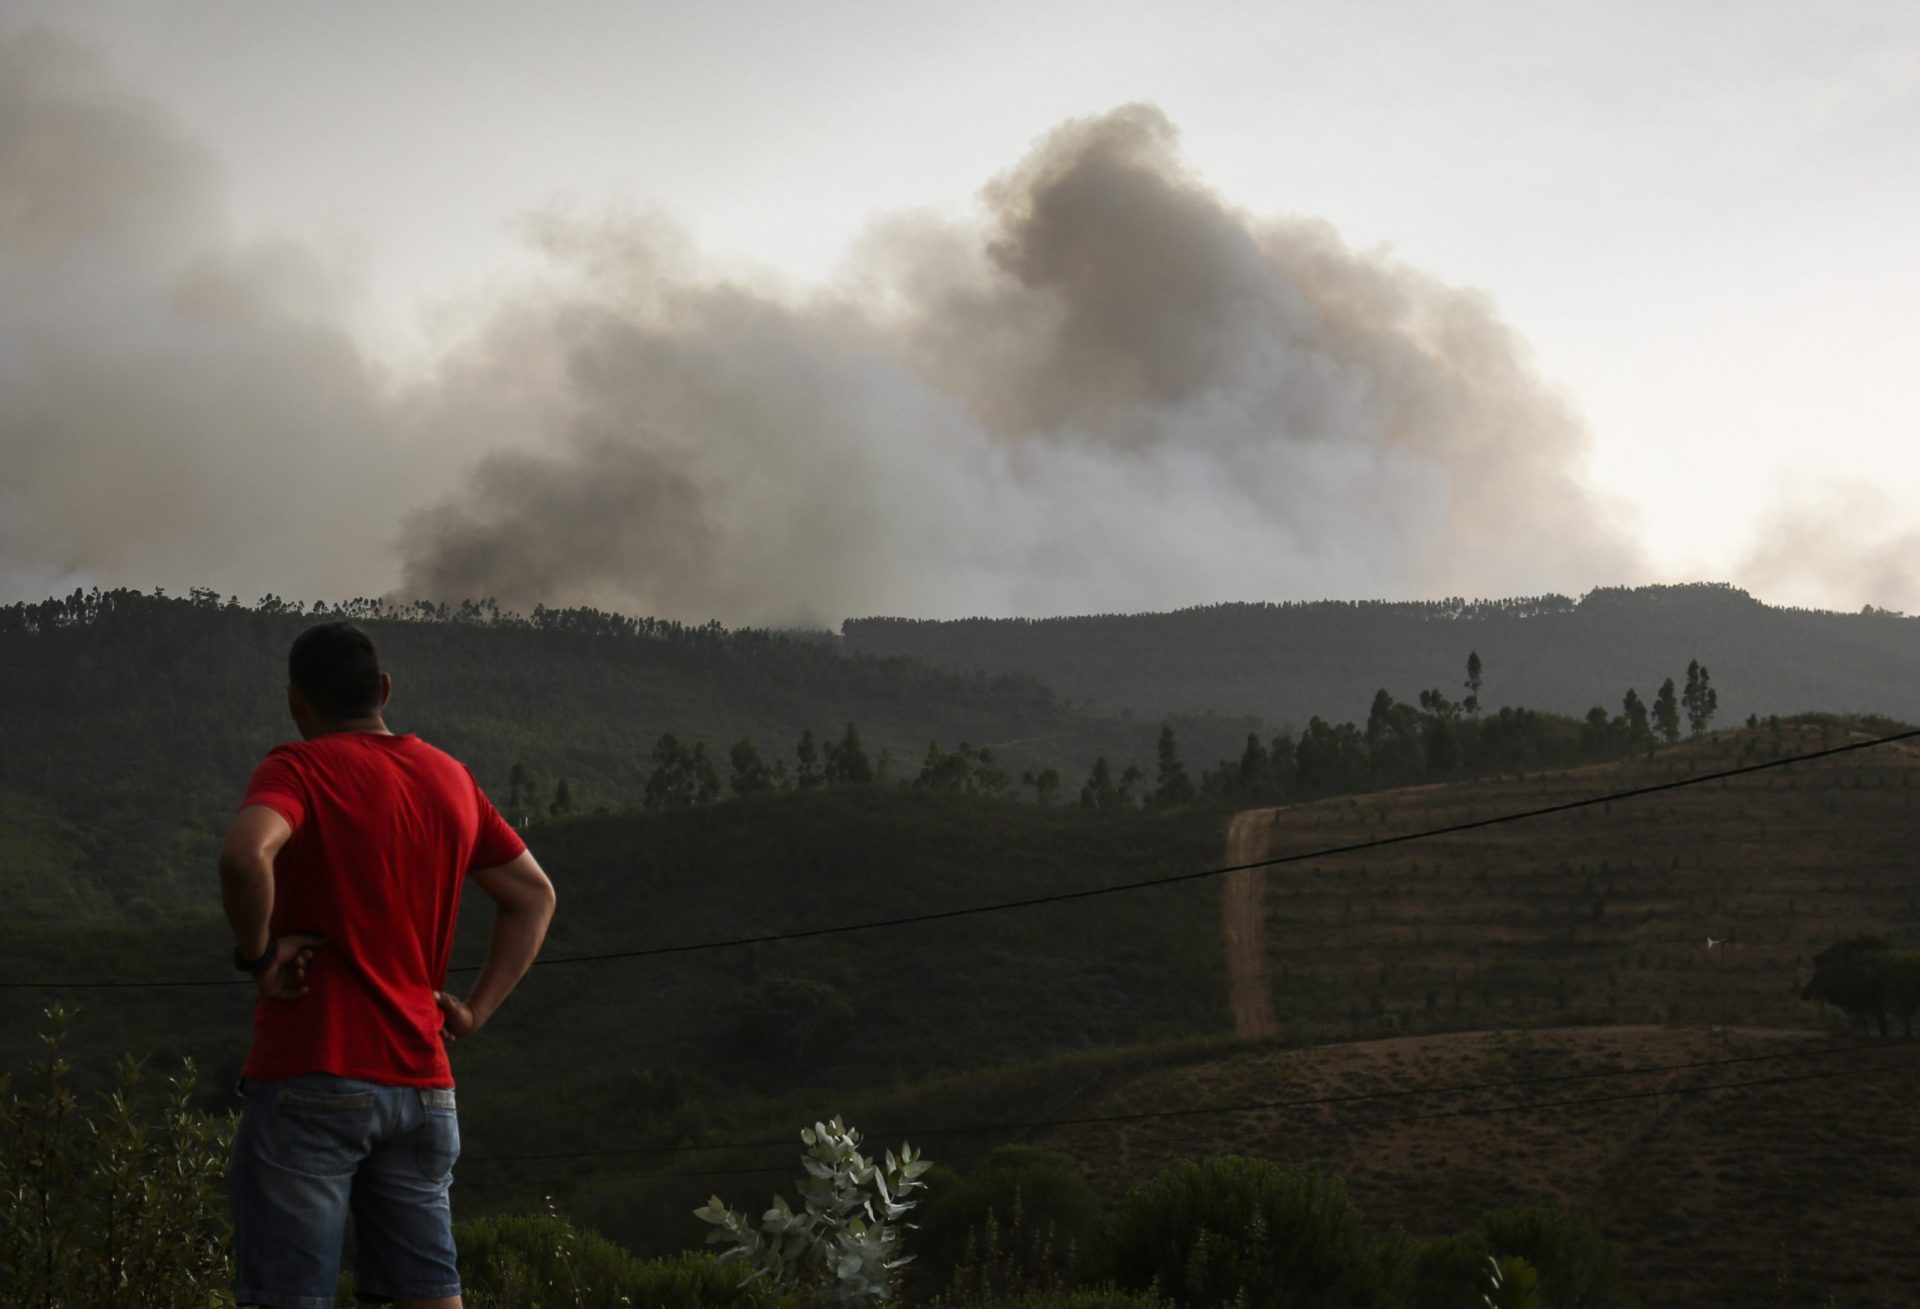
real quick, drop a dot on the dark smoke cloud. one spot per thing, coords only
(1114, 392)
(1118, 393)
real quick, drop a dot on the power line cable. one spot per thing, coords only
(1175, 879)
(1482, 1111)
(1088, 893)
(1358, 1097)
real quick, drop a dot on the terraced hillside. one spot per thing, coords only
(1600, 914)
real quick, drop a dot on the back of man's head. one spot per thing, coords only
(337, 669)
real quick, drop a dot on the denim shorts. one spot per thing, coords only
(312, 1150)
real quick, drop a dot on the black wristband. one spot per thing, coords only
(255, 967)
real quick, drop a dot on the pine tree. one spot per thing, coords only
(1098, 792)
(1255, 776)
(1666, 713)
(705, 782)
(750, 775)
(1174, 786)
(1700, 698)
(1044, 783)
(847, 762)
(1472, 703)
(1634, 716)
(670, 785)
(808, 753)
(519, 790)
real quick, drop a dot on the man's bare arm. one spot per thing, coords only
(246, 892)
(523, 901)
(246, 875)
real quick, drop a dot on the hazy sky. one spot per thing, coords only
(1695, 221)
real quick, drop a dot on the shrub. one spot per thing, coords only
(1449, 1273)
(1041, 1210)
(842, 1244)
(1103, 1298)
(1213, 1231)
(1579, 1268)
(120, 1206)
(524, 1261)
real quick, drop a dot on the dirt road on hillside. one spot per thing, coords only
(1243, 925)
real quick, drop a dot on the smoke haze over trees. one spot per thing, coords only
(1115, 389)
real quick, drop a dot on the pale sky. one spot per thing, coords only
(1699, 217)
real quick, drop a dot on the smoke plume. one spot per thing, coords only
(1112, 390)
(1117, 392)
(1839, 539)
(177, 406)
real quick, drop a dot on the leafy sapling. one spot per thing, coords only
(843, 1242)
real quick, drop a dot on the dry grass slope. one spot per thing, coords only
(1580, 940)
(1806, 1193)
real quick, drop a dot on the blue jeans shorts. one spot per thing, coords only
(312, 1150)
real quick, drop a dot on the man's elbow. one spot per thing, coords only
(243, 867)
(534, 897)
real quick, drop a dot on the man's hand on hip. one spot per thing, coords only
(456, 1018)
(286, 977)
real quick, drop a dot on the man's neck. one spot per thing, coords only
(375, 724)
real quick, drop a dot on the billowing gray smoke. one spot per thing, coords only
(1119, 393)
(1115, 392)
(173, 407)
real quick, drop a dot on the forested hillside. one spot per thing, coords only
(717, 1045)
(132, 722)
(1289, 662)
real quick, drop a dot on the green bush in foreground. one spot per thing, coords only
(112, 1205)
(541, 1261)
(1210, 1232)
(1104, 1298)
(842, 1246)
(1033, 1206)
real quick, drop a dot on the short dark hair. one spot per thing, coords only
(336, 667)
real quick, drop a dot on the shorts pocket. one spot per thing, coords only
(436, 1144)
(321, 1133)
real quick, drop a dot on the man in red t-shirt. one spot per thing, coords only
(341, 877)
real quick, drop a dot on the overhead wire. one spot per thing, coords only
(1476, 1111)
(1357, 1097)
(1085, 893)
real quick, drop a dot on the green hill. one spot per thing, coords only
(707, 1046)
(133, 722)
(1289, 662)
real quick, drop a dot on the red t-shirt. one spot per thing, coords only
(385, 829)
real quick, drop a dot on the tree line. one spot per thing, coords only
(1401, 744)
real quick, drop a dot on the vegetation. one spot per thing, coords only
(1289, 662)
(690, 1049)
(843, 1245)
(111, 1204)
(1868, 980)
(529, 1261)
(135, 720)
(1243, 1231)
(1009, 1222)
(637, 1069)
(110, 810)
